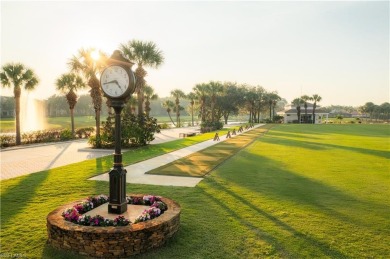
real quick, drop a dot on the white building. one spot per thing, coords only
(290, 114)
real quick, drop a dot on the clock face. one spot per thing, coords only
(114, 81)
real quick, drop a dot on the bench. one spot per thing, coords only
(188, 134)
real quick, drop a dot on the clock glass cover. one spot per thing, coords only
(114, 81)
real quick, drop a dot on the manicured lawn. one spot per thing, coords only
(300, 191)
(201, 163)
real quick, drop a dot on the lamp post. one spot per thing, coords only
(118, 84)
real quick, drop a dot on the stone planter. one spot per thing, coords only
(111, 242)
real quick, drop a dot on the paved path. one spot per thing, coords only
(136, 172)
(27, 159)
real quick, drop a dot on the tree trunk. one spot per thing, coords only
(169, 114)
(314, 113)
(72, 121)
(192, 114)
(17, 118)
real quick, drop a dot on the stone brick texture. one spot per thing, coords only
(113, 242)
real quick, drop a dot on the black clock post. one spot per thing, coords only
(118, 87)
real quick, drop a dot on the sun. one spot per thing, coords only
(95, 55)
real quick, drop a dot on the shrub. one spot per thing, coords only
(136, 131)
(208, 126)
(44, 136)
(164, 126)
(66, 135)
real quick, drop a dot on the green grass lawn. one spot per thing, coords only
(300, 191)
(204, 161)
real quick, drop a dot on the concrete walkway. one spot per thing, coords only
(27, 159)
(136, 172)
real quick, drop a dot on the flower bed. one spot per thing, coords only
(75, 213)
(117, 240)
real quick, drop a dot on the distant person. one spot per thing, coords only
(216, 137)
(234, 132)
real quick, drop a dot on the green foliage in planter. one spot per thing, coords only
(136, 131)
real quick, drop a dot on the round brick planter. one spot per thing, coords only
(108, 242)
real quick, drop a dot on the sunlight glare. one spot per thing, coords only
(95, 55)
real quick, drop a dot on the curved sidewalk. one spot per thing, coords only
(136, 172)
(27, 159)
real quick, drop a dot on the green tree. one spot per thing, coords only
(149, 95)
(84, 64)
(169, 105)
(316, 98)
(368, 107)
(305, 99)
(272, 98)
(200, 91)
(177, 94)
(214, 89)
(230, 100)
(144, 54)
(297, 102)
(18, 76)
(69, 84)
(192, 96)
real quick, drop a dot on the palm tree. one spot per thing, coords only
(214, 89)
(150, 95)
(169, 105)
(273, 98)
(69, 83)
(316, 98)
(305, 98)
(200, 91)
(191, 96)
(177, 93)
(18, 76)
(144, 54)
(297, 102)
(84, 64)
(250, 98)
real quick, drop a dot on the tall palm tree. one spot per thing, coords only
(69, 84)
(18, 76)
(260, 91)
(149, 95)
(169, 105)
(297, 102)
(250, 99)
(177, 93)
(305, 98)
(272, 98)
(214, 89)
(200, 91)
(191, 96)
(144, 54)
(84, 64)
(316, 98)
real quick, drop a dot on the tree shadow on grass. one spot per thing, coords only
(324, 247)
(15, 197)
(276, 140)
(277, 182)
(252, 227)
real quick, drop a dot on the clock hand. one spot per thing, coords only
(114, 82)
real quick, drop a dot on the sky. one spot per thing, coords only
(339, 50)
